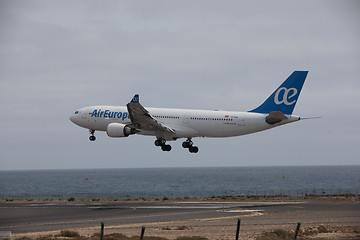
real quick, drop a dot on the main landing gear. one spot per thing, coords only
(160, 142)
(189, 144)
(92, 137)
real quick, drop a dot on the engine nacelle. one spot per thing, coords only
(119, 130)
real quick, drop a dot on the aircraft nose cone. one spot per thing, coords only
(73, 118)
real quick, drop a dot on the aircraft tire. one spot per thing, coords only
(193, 149)
(92, 138)
(158, 143)
(185, 145)
(166, 148)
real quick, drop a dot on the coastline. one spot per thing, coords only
(332, 198)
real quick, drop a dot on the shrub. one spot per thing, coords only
(181, 228)
(69, 233)
(115, 236)
(322, 229)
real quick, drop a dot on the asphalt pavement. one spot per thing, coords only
(27, 217)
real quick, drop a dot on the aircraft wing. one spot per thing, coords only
(141, 118)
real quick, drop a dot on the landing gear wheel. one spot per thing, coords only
(158, 143)
(187, 144)
(166, 148)
(92, 137)
(193, 149)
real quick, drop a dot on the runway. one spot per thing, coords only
(34, 217)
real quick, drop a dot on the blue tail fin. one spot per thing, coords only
(285, 97)
(135, 99)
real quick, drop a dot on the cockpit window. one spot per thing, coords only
(76, 112)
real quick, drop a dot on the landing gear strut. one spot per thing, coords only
(92, 137)
(160, 142)
(189, 144)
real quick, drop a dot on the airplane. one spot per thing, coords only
(169, 124)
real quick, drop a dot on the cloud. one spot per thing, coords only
(57, 56)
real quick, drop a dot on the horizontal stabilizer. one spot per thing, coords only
(304, 118)
(275, 117)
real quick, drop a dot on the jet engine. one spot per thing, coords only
(119, 130)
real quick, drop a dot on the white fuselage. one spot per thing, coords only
(186, 123)
(170, 124)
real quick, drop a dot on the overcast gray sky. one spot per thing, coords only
(58, 56)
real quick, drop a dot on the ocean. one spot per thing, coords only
(159, 183)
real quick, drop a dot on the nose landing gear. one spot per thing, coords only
(160, 142)
(189, 144)
(92, 137)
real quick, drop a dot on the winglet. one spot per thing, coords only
(285, 97)
(135, 99)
